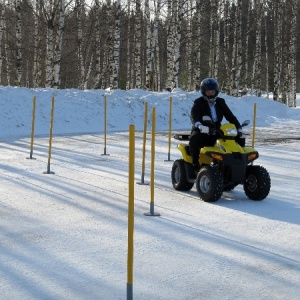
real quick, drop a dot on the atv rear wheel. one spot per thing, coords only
(258, 183)
(179, 178)
(209, 184)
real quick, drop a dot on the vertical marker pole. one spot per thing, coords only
(151, 213)
(170, 130)
(105, 118)
(50, 138)
(130, 213)
(144, 144)
(32, 127)
(254, 125)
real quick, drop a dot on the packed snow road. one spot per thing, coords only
(64, 235)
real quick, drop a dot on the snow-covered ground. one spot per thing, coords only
(64, 235)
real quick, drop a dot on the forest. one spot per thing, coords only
(250, 46)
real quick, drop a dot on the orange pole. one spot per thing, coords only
(32, 126)
(130, 213)
(254, 125)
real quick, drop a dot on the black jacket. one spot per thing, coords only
(201, 108)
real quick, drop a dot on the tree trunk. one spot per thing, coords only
(109, 51)
(6, 46)
(155, 47)
(2, 33)
(117, 47)
(189, 46)
(128, 55)
(292, 55)
(246, 83)
(18, 42)
(58, 45)
(227, 50)
(170, 47)
(239, 48)
(37, 64)
(197, 53)
(214, 42)
(267, 55)
(137, 51)
(256, 75)
(149, 56)
(277, 48)
(80, 7)
(97, 77)
(178, 16)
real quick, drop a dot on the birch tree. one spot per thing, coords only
(50, 54)
(109, 49)
(169, 51)
(2, 32)
(227, 48)
(196, 50)
(156, 51)
(278, 7)
(170, 46)
(256, 75)
(58, 45)
(18, 42)
(128, 55)
(37, 65)
(266, 53)
(6, 44)
(79, 12)
(189, 45)
(247, 39)
(178, 16)
(214, 40)
(117, 46)
(137, 51)
(97, 57)
(292, 61)
(149, 56)
(238, 49)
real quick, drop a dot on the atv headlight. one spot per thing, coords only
(252, 156)
(216, 156)
(231, 131)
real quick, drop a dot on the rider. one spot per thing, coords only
(209, 104)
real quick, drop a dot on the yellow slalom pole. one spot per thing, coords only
(170, 129)
(254, 125)
(130, 213)
(50, 138)
(151, 213)
(32, 127)
(105, 122)
(144, 144)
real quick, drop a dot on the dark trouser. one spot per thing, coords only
(199, 140)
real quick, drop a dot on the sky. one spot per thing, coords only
(64, 235)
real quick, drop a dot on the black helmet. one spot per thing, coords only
(208, 84)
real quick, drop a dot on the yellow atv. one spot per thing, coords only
(222, 167)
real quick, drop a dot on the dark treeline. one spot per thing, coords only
(248, 45)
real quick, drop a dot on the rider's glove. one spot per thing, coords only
(202, 128)
(242, 133)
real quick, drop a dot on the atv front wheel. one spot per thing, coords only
(179, 178)
(209, 184)
(258, 183)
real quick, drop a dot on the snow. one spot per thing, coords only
(64, 235)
